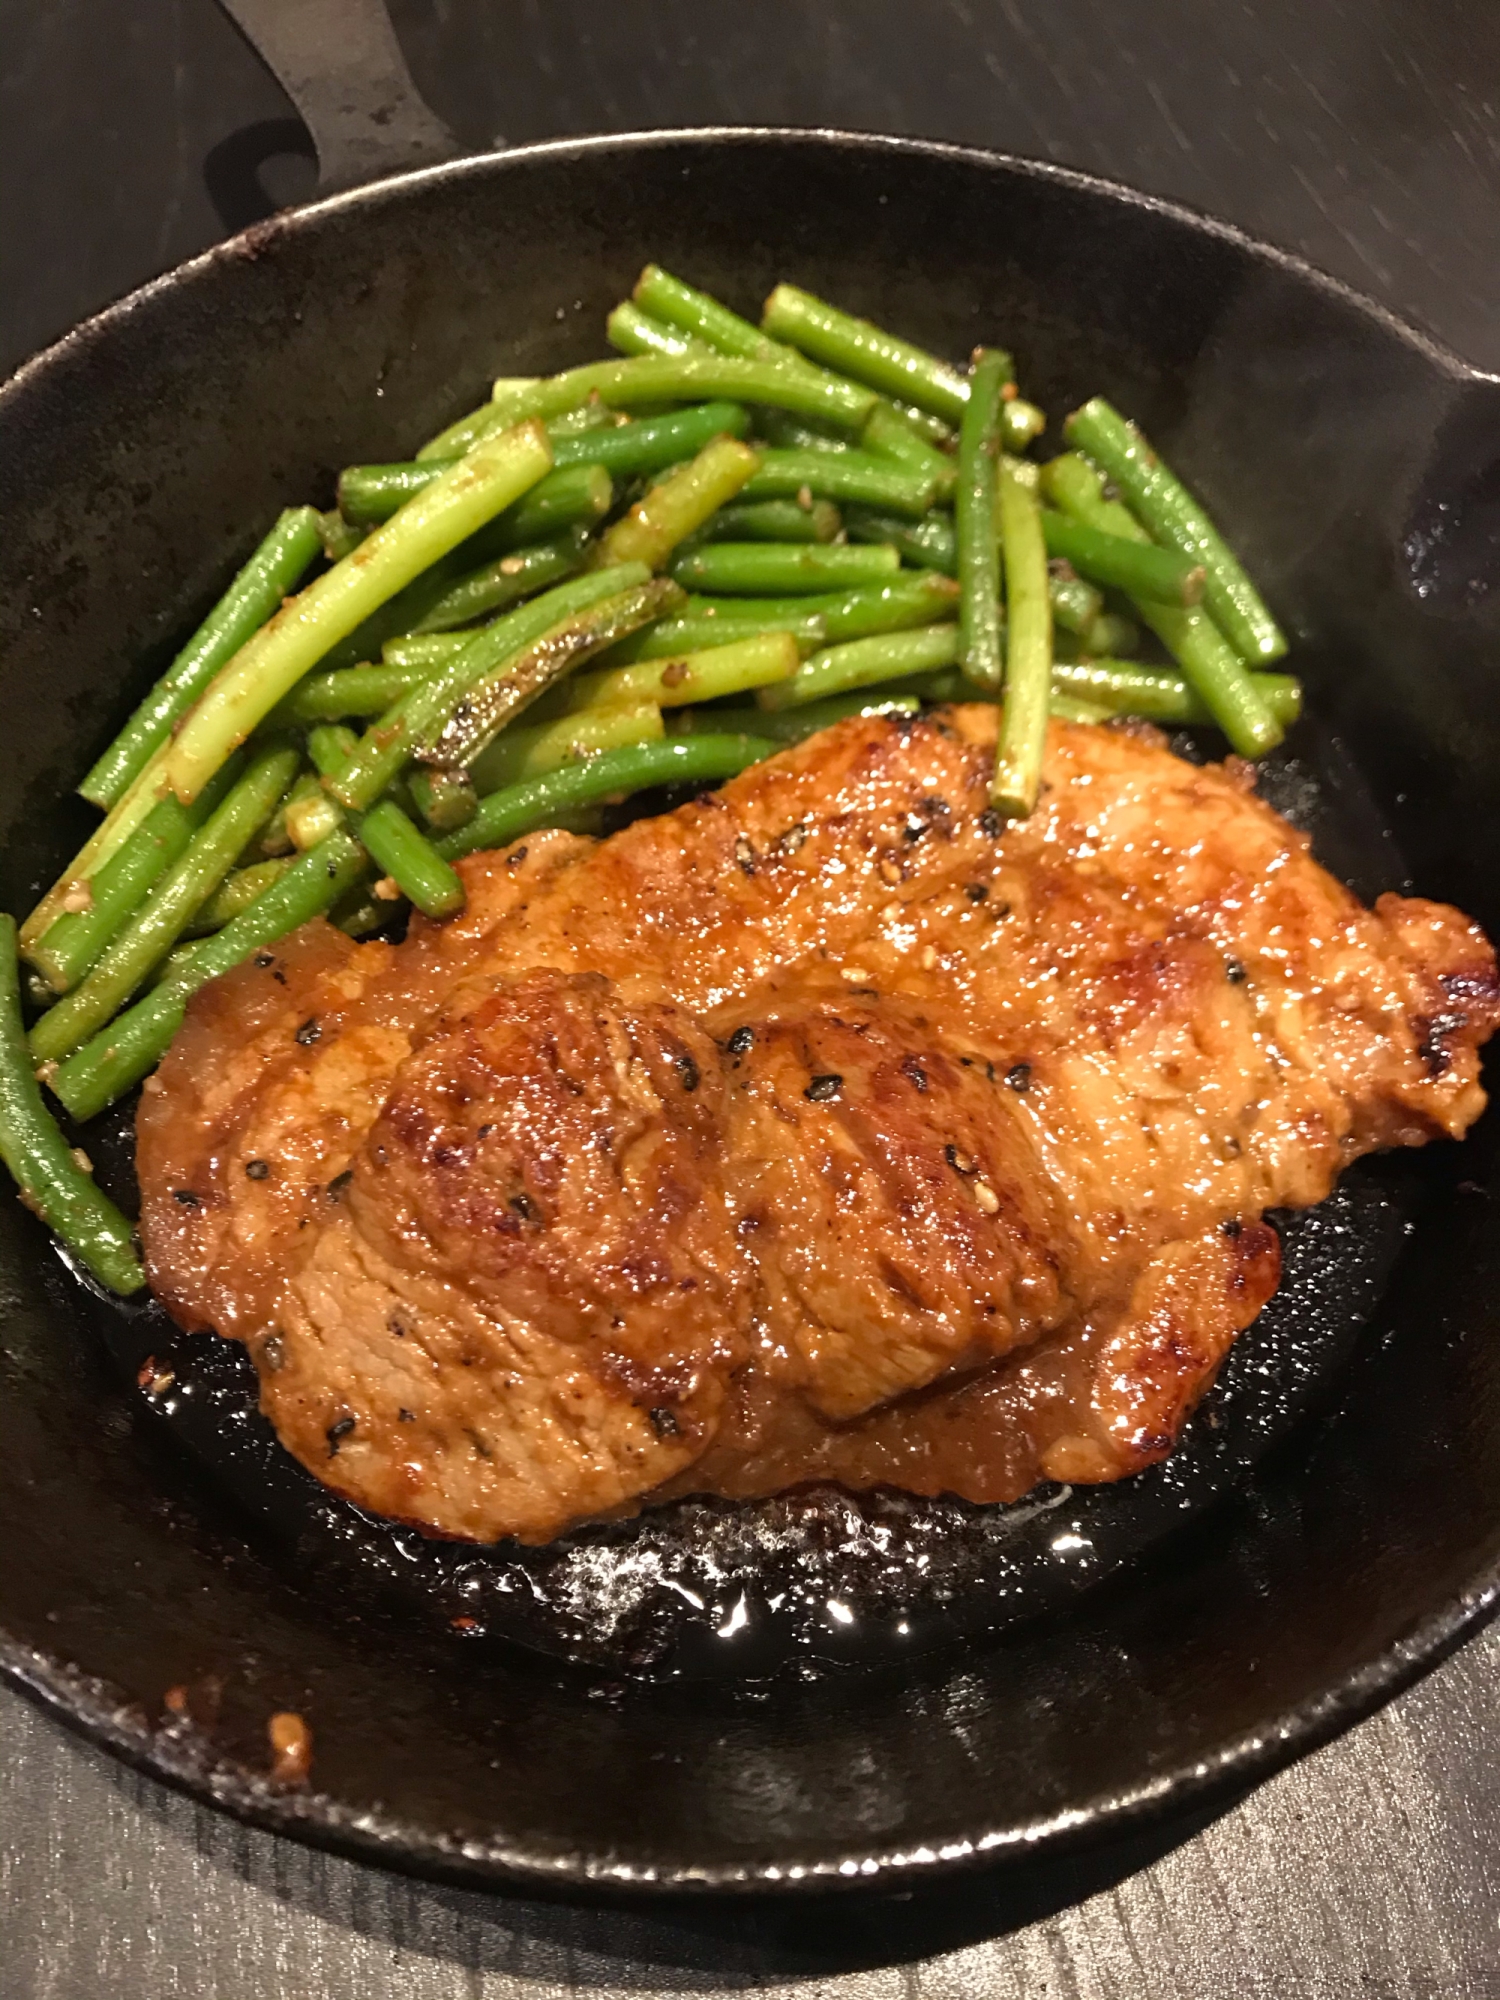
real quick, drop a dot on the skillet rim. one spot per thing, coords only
(85, 1702)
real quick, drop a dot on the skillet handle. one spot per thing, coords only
(342, 67)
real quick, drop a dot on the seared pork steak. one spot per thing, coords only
(827, 1128)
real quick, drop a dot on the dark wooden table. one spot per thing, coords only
(1363, 133)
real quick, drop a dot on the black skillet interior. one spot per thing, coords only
(1330, 1524)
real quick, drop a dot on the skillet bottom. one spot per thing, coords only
(742, 1591)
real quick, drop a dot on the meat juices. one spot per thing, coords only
(826, 1128)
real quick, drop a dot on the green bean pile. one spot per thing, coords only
(811, 512)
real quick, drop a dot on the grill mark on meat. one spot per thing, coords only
(543, 1193)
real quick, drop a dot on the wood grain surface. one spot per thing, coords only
(1364, 134)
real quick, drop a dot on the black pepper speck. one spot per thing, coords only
(336, 1433)
(309, 1032)
(1018, 1076)
(824, 1087)
(257, 1170)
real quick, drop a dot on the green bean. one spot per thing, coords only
(510, 580)
(521, 808)
(1075, 603)
(788, 433)
(1139, 568)
(310, 819)
(688, 378)
(237, 893)
(705, 676)
(494, 474)
(420, 654)
(339, 537)
(532, 749)
(1021, 424)
(889, 435)
(135, 1041)
(976, 518)
(52, 1179)
(635, 332)
(425, 708)
(67, 948)
(250, 600)
(653, 443)
(577, 492)
(350, 691)
(903, 601)
(1028, 644)
(760, 568)
(1113, 634)
(791, 725)
(865, 663)
(494, 700)
(330, 747)
(1172, 515)
(148, 938)
(578, 495)
(857, 476)
(1070, 708)
(277, 839)
(673, 510)
(701, 318)
(931, 543)
(924, 423)
(360, 913)
(1209, 662)
(411, 861)
(445, 799)
(865, 352)
(775, 521)
(1123, 687)
(673, 638)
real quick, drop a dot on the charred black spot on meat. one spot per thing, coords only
(309, 1032)
(741, 1041)
(687, 1073)
(337, 1432)
(664, 1422)
(1018, 1078)
(1433, 1033)
(257, 1170)
(914, 1073)
(186, 1197)
(977, 892)
(823, 1088)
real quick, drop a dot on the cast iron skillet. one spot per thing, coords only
(1332, 1526)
